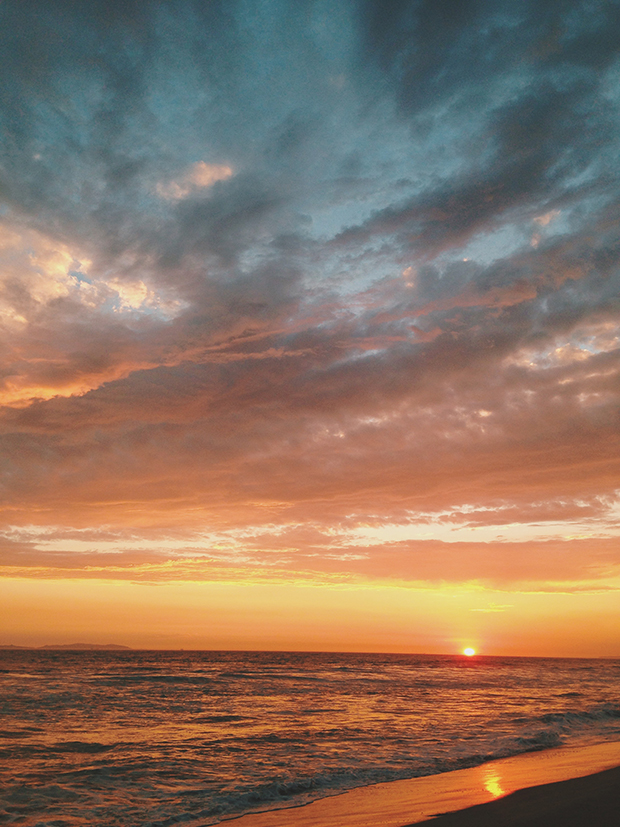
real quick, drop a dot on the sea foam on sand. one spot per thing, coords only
(401, 803)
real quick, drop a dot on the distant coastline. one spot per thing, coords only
(69, 646)
(447, 655)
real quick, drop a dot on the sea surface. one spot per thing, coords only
(138, 738)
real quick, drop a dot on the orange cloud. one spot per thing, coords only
(199, 176)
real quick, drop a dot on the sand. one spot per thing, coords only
(482, 795)
(593, 801)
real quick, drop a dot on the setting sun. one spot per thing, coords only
(469, 652)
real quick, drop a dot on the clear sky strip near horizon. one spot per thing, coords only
(310, 325)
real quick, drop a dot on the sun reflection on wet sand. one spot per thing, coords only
(493, 781)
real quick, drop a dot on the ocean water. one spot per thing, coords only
(138, 738)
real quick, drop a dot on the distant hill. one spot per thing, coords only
(70, 646)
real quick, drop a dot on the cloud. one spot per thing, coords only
(200, 176)
(341, 311)
(312, 554)
(547, 218)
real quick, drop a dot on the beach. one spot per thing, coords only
(567, 786)
(593, 801)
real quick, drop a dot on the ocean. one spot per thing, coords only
(145, 738)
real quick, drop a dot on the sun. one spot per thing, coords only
(469, 652)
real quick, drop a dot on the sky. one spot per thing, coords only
(310, 325)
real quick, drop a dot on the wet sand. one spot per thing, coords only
(593, 801)
(493, 785)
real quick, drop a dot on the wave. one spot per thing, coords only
(292, 792)
(289, 792)
(545, 739)
(191, 680)
(59, 748)
(20, 733)
(571, 718)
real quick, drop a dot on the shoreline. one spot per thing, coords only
(451, 799)
(587, 801)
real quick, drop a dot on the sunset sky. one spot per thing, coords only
(310, 325)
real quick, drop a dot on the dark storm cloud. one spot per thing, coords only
(277, 263)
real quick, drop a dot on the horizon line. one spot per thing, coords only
(116, 647)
